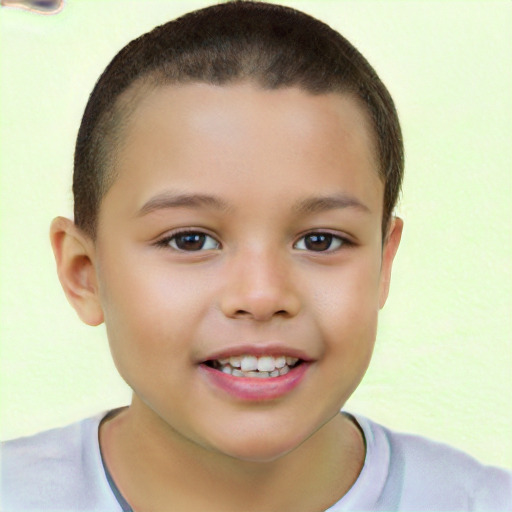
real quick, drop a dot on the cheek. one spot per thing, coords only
(150, 314)
(348, 294)
(347, 306)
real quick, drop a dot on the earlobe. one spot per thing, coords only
(388, 255)
(74, 256)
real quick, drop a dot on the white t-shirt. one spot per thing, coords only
(62, 470)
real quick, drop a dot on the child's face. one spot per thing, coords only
(281, 192)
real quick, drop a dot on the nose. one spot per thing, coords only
(259, 285)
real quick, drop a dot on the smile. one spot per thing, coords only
(263, 367)
(253, 378)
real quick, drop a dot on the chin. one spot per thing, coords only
(259, 452)
(259, 446)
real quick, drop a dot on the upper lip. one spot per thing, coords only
(258, 351)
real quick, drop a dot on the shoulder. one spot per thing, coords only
(435, 475)
(59, 468)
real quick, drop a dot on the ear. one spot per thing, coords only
(391, 244)
(74, 255)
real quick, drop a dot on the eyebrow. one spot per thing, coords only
(312, 205)
(169, 200)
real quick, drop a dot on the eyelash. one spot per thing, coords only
(166, 241)
(340, 241)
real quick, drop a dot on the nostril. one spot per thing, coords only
(259, 305)
(241, 313)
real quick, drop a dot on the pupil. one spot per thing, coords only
(318, 242)
(190, 241)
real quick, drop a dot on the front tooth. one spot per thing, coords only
(266, 364)
(275, 373)
(249, 363)
(226, 369)
(290, 361)
(235, 361)
(237, 373)
(280, 361)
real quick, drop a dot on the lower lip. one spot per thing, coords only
(253, 388)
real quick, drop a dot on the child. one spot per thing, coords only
(236, 172)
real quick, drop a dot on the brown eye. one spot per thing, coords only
(319, 242)
(192, 241)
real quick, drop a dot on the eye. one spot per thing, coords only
(320, 242)
(190, 241)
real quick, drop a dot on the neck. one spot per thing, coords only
(153, 465)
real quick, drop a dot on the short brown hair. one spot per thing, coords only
(271, 45)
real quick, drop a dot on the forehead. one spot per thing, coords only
(248, 140)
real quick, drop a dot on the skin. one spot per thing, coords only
(259, 152)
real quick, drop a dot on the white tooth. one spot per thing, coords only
(223, 361)
(238, 373)
(275, 373)
(290, 361)
(249, 363)
(235, 361)
(251, 374)
(284, 370)
(266, 364)
(262, 375)
(226, 369)
(279, 362)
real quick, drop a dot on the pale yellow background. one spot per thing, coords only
(442, 366)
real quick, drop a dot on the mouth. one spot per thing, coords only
(250, 366)
(255, 378)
